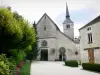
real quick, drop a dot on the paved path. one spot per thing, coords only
(56, 68)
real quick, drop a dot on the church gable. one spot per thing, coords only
(46, 27)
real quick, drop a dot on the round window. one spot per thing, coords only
(62, 50)
(44, 43)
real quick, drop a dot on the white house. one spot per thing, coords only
(90, 41)
(54, 44)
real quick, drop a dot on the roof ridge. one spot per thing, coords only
(56, 27)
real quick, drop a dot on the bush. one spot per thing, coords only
(20, 57)
(72, 63)
(7, 65)
(92, 67)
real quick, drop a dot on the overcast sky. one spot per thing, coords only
(81, 11)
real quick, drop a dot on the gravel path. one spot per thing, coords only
(56, 68)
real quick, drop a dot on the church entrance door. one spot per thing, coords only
(44, 55)
(62, 57)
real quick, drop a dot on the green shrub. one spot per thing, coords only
(72, 63)
(20, 57)
(92, 67)
(7, 65)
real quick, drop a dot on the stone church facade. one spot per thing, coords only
(54, 44)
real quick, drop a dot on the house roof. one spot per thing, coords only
(97, 19)
(56, 27)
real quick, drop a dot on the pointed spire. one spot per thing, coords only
(67, 12)
(67, 19)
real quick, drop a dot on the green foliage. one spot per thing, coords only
(15, 31)
(10, 31)
(72, 63)
(13, 52)
(35, 50)
(28, 32)
(16, 35)
(92, 67)
(32, 50)
(7, 65)
(35, 45)
(20, 57)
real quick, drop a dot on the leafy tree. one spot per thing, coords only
(10, 31)
(28, 32)
(35, 48)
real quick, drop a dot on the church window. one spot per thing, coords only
(67, 26)
(62, 50)
(44, 27)
(44, 43)
(90, 38)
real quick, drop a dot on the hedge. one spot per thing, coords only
(71, 63)
(92, 67)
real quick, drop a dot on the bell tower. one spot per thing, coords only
(68, 25)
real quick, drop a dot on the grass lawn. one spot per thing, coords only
(25, 69)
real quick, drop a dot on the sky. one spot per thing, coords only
(81, 11)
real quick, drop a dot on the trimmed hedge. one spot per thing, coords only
(92, 67)
(72, 63)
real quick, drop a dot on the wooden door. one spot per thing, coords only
(91, 55)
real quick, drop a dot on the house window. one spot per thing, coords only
(67, 26)
(88, 28)
(44, 27)
(90, 38)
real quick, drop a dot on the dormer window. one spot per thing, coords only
(44, 27)
(67, 26)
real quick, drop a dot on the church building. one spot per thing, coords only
(54, 44)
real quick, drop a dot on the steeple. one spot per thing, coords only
(67, 19)
(68, 25)
(67, 12)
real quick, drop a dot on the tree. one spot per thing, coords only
(15, 31)
(10, 31)
(33, 53)
(35, 45)
(28, 32)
